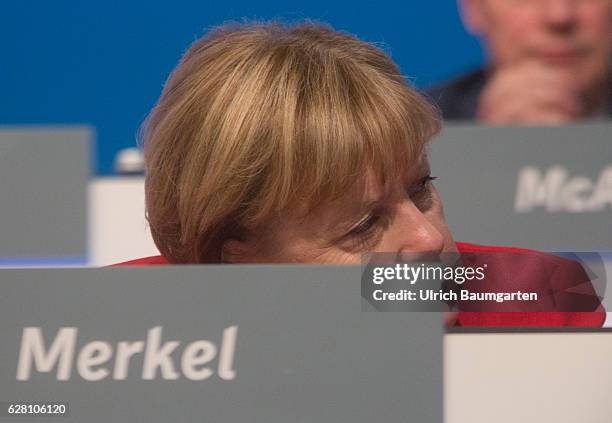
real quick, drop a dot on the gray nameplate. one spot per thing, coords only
(544, 188)
(44, 174)
(269, 344)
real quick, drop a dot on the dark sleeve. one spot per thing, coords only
(458, 99)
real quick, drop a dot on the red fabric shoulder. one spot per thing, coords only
(537, 260)
(465, 247)
(145, 261)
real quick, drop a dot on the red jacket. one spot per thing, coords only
(523, 267)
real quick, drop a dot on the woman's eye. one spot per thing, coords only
(365, 225)
(422, 186)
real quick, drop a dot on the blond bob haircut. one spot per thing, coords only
(263, 119)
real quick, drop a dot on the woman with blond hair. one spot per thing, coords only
(296, 144)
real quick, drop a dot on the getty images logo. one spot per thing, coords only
(557, 191)
(95, 359)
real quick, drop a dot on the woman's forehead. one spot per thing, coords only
(335, 216)
(374, 190)
(369, 192)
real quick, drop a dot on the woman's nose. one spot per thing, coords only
(416, 231)
(560, 14)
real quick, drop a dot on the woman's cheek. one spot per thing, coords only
(439, 221)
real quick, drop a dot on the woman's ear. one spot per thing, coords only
(473, 16)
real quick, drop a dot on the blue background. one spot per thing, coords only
(104, 63)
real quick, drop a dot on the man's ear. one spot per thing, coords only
(473, 16)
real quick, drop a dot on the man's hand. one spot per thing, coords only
(530, 94)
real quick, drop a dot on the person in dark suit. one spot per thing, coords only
(548, 62)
